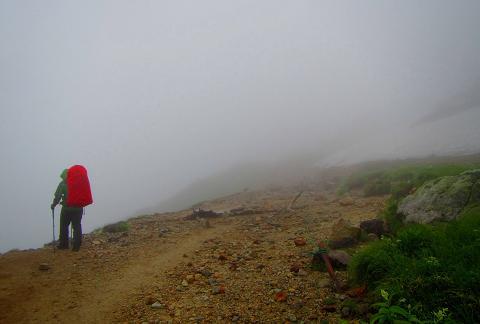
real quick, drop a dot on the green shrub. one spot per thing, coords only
(432, 267)
(116, 227)
(415, 241)
(389, 214)
(399, 180)
(374, 262)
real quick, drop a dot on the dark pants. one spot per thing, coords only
(74, 216)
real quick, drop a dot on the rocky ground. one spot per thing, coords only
(249, 265)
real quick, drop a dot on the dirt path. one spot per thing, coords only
(79, 288)
(229, 272)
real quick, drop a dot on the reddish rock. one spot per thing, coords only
(300, 241)
(295, 268)
(281, 296)
(222, 257)
(149, 300)
(190, 279)
(357, 291)
(233, 266)
(218, 290)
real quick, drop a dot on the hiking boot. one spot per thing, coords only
(61, 247)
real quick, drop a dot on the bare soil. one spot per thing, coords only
(229, 269)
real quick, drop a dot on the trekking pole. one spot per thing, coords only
(53, 230)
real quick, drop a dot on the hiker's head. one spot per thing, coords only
(63, 175)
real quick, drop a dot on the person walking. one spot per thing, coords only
(72, 210)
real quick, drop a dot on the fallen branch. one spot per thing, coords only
(290, 206)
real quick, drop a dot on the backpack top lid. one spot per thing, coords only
(78, 187)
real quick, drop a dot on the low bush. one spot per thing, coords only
(399, 181)
(435, 268)
(116, 227)
(389, 214)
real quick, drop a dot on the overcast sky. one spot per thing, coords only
(152, 95)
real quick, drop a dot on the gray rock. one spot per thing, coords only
(441, 199)
(340, 259)
(44, 266)
(302, 273)
(157, 305)
(340, 296)
(206, 273)
(216, 290)
(323, 283)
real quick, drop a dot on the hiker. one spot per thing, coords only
(73, 193)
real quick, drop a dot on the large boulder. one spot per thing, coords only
(340, 259)
(442, 199)
(343, 235)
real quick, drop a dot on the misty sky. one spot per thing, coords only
(152, 95)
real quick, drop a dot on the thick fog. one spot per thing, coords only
(152, 96)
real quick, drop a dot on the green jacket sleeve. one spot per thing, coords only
(60, 193)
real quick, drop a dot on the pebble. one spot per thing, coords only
(206, 273)
(281, 296)
(302, 273)
(340, 296)
(44, 266)
(295, 268)
(157, 305)
(149, 300)
(184, 283)
(218, 290)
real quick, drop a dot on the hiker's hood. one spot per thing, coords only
(63, 175)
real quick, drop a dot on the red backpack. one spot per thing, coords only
(78, 187)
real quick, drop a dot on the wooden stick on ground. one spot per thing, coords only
(289, 208)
